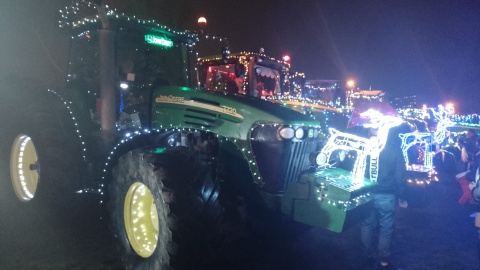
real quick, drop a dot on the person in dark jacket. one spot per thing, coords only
(391, 190)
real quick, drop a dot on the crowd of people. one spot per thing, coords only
(377, 229)
(471, 158)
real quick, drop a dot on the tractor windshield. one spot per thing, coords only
(231, 78)
(148, 61)
(139, 64)
(223, 78)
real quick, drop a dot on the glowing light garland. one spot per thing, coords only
(242, 145)
(309, 104)
(472, 120)
(243, 54)
(79, 134)
(467, 120)
(70, 11)
(344, 205)
(323, 92)
(297, 87)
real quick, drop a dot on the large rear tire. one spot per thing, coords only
(40, 167)
(41, 155)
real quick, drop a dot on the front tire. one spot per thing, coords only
(136, 191)
(182, 207)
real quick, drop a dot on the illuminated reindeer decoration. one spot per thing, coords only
(423, 141)
(443, 123)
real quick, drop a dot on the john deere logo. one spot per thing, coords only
(170, 99)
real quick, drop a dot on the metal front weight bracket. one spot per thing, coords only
(328, 199)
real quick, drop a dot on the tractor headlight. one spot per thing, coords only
(286, 133)
(321, 159)
(299, 133)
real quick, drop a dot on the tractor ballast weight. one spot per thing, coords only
(328, 199)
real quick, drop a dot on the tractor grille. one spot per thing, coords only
(280, 161)
(199, 118)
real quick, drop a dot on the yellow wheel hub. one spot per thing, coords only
(141, 219)
(24, 168)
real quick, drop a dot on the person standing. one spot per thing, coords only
(475, 189)
(471, 157)
(471, 142)
(469, 147)
(391, 190)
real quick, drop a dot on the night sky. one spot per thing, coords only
(403, 47)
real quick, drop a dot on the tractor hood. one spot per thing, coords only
(227, 114)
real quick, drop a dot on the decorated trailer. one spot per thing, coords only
(248, 73)
(259, 75)
(176, 168)
(425, 157)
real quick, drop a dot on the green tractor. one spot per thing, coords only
(178, 169)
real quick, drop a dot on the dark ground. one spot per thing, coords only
(438, 236)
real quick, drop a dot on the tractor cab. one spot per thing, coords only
(143, 55)
(251, 74)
